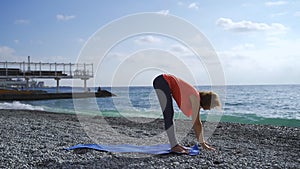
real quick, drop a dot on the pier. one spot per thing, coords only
(38, 70)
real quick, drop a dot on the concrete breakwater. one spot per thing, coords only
(47, 96)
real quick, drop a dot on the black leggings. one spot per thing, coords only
(164, 95)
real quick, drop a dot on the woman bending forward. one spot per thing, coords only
(189, 100)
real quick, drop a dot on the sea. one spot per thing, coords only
(277, 105)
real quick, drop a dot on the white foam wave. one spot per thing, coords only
(19, 105)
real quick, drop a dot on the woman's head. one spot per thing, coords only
(209, 100)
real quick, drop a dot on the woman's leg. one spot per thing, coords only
(163, 92)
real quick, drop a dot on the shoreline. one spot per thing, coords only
(36, 139)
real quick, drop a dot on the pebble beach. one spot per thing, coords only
(38, 139)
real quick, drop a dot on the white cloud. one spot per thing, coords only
(8, 54)
(5, 50)
(180, 3)
(21, 22)
(148, 40)
(180, 50)
(273, 41)
(245, 46)
(278, 14)
(297, 13)
(248, 64)
(164, 12)
(16, 41)
(193, 5)
(81, 40)
(61, 17)
(58, 59)
(247, 4)
(275, 3)
(249, 26)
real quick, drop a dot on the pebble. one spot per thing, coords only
(35, 139)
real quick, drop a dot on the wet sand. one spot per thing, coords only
(37, 139)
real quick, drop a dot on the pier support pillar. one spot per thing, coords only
(27, 83)
(84, 84)
(57, 84)
(85, 90)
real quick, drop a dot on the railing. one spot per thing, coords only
(45, 70)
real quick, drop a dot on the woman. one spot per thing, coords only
(189, 100)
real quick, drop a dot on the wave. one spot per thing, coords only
(253, 119)
(235, 104)
(19, 105)
(246, 118)
(264, 121)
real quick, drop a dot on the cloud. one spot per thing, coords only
(5, 50)
(81, 40)
(297, 14)
(247, 4)
(180, 3)
(249, 26)
(275, 3)
(21, 22)
(148, 40)
(193, 5)
(273, 41)
(245, 46)
(58, 59)
(180, 50)
(248, 64)
(61, 17)
(16, 41)
(164, 12)
(278, 14)
(8, 54)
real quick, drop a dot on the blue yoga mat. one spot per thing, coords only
(127, 148)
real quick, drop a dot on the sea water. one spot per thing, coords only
(253, 104)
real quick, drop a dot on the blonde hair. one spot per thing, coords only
(209, 99)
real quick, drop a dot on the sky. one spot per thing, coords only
(257, 42)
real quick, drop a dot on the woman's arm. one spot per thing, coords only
(197, 124)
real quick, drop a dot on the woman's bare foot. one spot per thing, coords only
(180, 149)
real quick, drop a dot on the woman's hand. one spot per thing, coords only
(207, 147)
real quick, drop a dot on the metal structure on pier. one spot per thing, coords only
(38, 70)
